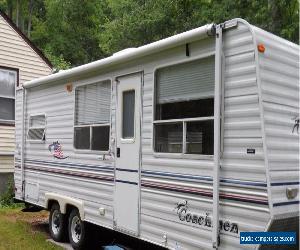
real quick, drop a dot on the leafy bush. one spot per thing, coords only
(7, 198)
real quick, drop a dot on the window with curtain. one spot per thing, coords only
(8, 81)
(92, 116)
(185, 107)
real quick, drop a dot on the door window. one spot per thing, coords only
(128, 114)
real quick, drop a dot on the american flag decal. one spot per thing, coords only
(56, 150)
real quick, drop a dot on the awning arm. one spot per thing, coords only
(217, 136)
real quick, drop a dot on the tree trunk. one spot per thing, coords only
(18, 13)
(275, 15)
(21, 17)
(29, 18)
(9, 8)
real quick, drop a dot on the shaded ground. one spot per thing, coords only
(25, 230)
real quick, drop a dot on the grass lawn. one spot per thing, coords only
(24, 231)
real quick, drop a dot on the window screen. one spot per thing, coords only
(82, 137)
(36, 134)
(200, 137)
(168, 137)
(128, 114)
(8, 80)
(37, 125)
(100, 138)
(92, 116)
(185, 109)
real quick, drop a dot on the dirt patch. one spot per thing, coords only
(38, 221)
(40, 227)
(34, 218)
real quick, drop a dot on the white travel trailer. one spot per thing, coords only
(185, 142)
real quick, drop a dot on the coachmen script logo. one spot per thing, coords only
(296, 125)
(56, 150)
(184, 214)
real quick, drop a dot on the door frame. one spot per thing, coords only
(140, 102)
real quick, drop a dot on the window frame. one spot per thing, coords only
(92, 151)
(16, 70)
(43, 140)
(181, 155)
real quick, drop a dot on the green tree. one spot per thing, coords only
(136, 22)
(70, 29)
(74, 32)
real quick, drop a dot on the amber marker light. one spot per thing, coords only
(261, 48)
(69, 87)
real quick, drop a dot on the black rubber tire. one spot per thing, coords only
(60, 235)
(84, 240)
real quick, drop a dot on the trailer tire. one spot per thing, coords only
(78, 233)
(57, 224)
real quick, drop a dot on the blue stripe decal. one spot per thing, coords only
(72, 173)
(205, 178)
(127, 170)
(247, 183)
(243, 199)
(274, 184)
(285, 203)
(127, 182)
(73, 165)
(64, 163)
(183, 176)
(158, 173)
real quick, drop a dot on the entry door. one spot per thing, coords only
(127, 175)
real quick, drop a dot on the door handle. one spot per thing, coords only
(118, 152)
